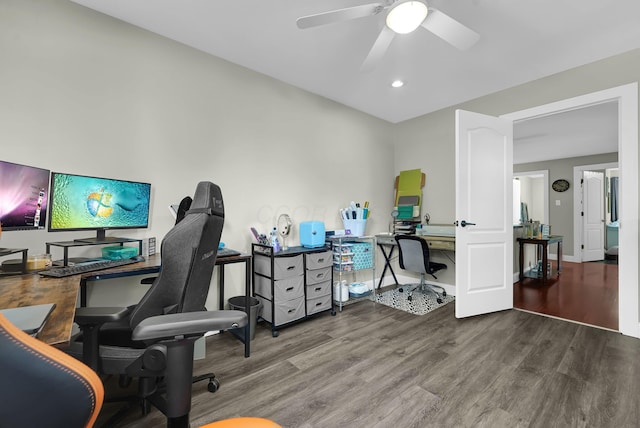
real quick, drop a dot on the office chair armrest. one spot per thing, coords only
(99, 315)
(90, 320)
(188, 324)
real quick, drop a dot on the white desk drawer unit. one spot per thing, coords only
(292, 284)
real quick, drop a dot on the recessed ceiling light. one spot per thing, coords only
(397, 83)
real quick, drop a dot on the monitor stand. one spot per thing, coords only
(100, 238)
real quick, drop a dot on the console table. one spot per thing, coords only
(542, 245)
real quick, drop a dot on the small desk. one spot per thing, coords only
(436, 242)
(385, 242)
(542, 245)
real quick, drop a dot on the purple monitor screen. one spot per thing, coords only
(24, 192)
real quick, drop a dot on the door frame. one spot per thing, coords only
(627, 98)
(577, 198)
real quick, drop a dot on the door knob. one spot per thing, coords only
(464, 223)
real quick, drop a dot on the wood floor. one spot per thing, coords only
(583, 292)
(374, 366)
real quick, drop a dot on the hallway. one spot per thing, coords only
(583, 292)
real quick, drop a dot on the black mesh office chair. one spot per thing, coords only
(153, 340)
(414, 257)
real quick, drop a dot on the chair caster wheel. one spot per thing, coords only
(439, 300)
(214, 385)
(274, 334)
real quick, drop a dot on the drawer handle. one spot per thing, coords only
(291, 267)
(321, 260)
(319, 304)
(289, 289)
(290, 311)
(318, 288)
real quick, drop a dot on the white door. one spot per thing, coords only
(592, 216)
(484, 236)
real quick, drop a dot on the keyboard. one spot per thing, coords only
(59, 272)
(227, 252)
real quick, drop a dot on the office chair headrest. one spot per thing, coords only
(184, 206)
(207, 199)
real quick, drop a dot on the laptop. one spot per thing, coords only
(30, 319)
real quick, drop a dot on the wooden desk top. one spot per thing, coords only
(32, 289)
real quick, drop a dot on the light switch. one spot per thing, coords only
(557, 202)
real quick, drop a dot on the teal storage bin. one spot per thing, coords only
(118, 252)
(362, 256)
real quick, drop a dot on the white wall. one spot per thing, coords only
(81, 92)
(84, 93)
(428, 141)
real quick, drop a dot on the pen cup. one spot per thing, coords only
(354, 227)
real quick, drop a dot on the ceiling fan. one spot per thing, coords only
(402, 17)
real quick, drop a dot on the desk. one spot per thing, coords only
(32, 289)
(152, 266)
(542, 245)
(387, 241)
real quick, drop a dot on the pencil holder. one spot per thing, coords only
(354, 227)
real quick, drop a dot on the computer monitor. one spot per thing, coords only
(23, 196)
(79, 202)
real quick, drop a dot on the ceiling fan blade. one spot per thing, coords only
(450, 30)
(339, 15)
(378, 49)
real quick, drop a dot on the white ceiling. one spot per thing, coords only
(520, 40)
(582, 132)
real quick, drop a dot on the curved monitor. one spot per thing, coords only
(79, 202)
(23, 196)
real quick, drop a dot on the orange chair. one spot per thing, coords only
(243, 422)
(43, 386)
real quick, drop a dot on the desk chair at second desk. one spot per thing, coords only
(415, 257)
(387, 244)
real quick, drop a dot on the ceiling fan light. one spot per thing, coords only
(407, 16)
(397, 83)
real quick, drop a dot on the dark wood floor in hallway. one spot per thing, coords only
(583, 292)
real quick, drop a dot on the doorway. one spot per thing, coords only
(627, 100)
(585, 294)
(581, 212)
